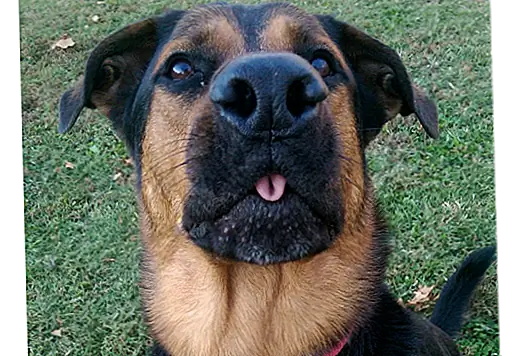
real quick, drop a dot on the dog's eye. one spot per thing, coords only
(322, 66)
(181, 69)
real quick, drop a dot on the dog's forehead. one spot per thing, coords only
(272, 26)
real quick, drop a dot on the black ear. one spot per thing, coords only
(113, 72)
(383, 83)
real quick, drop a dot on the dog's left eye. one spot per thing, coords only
(181, 69)
(322, 66)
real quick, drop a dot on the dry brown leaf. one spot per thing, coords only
(69, 165)
(117, 176)
(400, 302)
(64, 42)
(422, 297)
(129, 161)
(56, 332)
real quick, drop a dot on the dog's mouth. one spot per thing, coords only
(253, 213)
(270, 224)
(263, 200)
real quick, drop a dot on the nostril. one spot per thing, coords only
(304, 94)
(237, 98)
(295, 103)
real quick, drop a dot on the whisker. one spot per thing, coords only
(348, 159)
(159, 161)
(165, 154)
(168, 186)
(352, 182)
(170, 169)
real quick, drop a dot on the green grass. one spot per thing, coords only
(81, 224)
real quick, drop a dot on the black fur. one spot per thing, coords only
(224, 175)
(456, 294)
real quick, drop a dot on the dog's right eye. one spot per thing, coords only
(322, 66)
(181, 69)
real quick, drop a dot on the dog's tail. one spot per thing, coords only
(455, 297)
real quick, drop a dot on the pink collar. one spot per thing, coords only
(338, 347)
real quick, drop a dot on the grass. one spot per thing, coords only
(82, 249)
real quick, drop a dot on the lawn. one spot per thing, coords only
(82, 245)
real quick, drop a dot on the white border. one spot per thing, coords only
(13, 328)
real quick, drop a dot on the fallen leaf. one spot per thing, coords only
(69, 165)
(400, 302)
(109, 260)
(95, 18)
(117, 176)
(421, 298)
(64, 42)
(56, 332)
(129, 161)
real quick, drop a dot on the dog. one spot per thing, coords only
(261, 234)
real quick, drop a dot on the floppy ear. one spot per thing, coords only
(383, 84)
(113, 72)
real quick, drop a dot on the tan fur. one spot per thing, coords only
(283, 31)
(342, 110)
(280, 34)
(212, 30)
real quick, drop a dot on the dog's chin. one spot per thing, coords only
(261, 232)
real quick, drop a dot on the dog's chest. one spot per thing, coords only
(237, 309)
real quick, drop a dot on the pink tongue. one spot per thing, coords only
(271, 187)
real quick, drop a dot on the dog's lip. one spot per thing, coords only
(289, 193)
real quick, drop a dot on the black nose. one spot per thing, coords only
(274, 92)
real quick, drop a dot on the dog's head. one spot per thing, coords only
(248, 123)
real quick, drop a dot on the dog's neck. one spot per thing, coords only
(199, 305)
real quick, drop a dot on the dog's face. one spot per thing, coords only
(248, 123)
